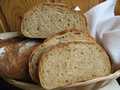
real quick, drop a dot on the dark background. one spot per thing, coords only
(6, 86)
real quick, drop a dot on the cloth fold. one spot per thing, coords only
(104, 26)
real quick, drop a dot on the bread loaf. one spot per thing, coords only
(61, 37)
(14, 56)
(44, 20)
(66, 64)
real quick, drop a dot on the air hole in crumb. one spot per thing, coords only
(82, 53)
(38, 28)
(74, 49)
(99, 50)
(77, 21)
(69, 20)
(68, 58)
(34, 11)
(62, 74)
(77, 32)
(75, 67)
(51, 54)
(68, 49)
(60, 20)
(66, 81)
(63, 37)
(68, 24)
(93, 75)
(25, 19)
(48, 71)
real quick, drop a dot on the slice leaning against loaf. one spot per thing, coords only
(61, 37)
(45, 20)
(68, 63)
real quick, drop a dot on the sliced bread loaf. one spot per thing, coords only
(72, 62)
(44, 20)
(61, 37)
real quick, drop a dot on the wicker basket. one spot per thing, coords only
(117, 10)
(94, 84)
(87, 85)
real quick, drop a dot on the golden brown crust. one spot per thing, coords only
(75, 31)
(61, 33)
(33, 64)
(14, 58)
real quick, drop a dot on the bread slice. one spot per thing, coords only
(45, 20)
(72, 62)
(61, 37)
(33, 63)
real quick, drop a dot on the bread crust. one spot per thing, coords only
(14, 54)
(74, 31)
(33, 65)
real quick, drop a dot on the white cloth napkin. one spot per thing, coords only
(104, 26)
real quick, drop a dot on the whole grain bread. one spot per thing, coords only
(47, 19)
(61, 37)
(72, 62)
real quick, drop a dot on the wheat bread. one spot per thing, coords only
(72, 62)
(47, 19)
(61, 37)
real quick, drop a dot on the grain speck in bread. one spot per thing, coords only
(61, 37)
(45, 20)
(72, 62)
